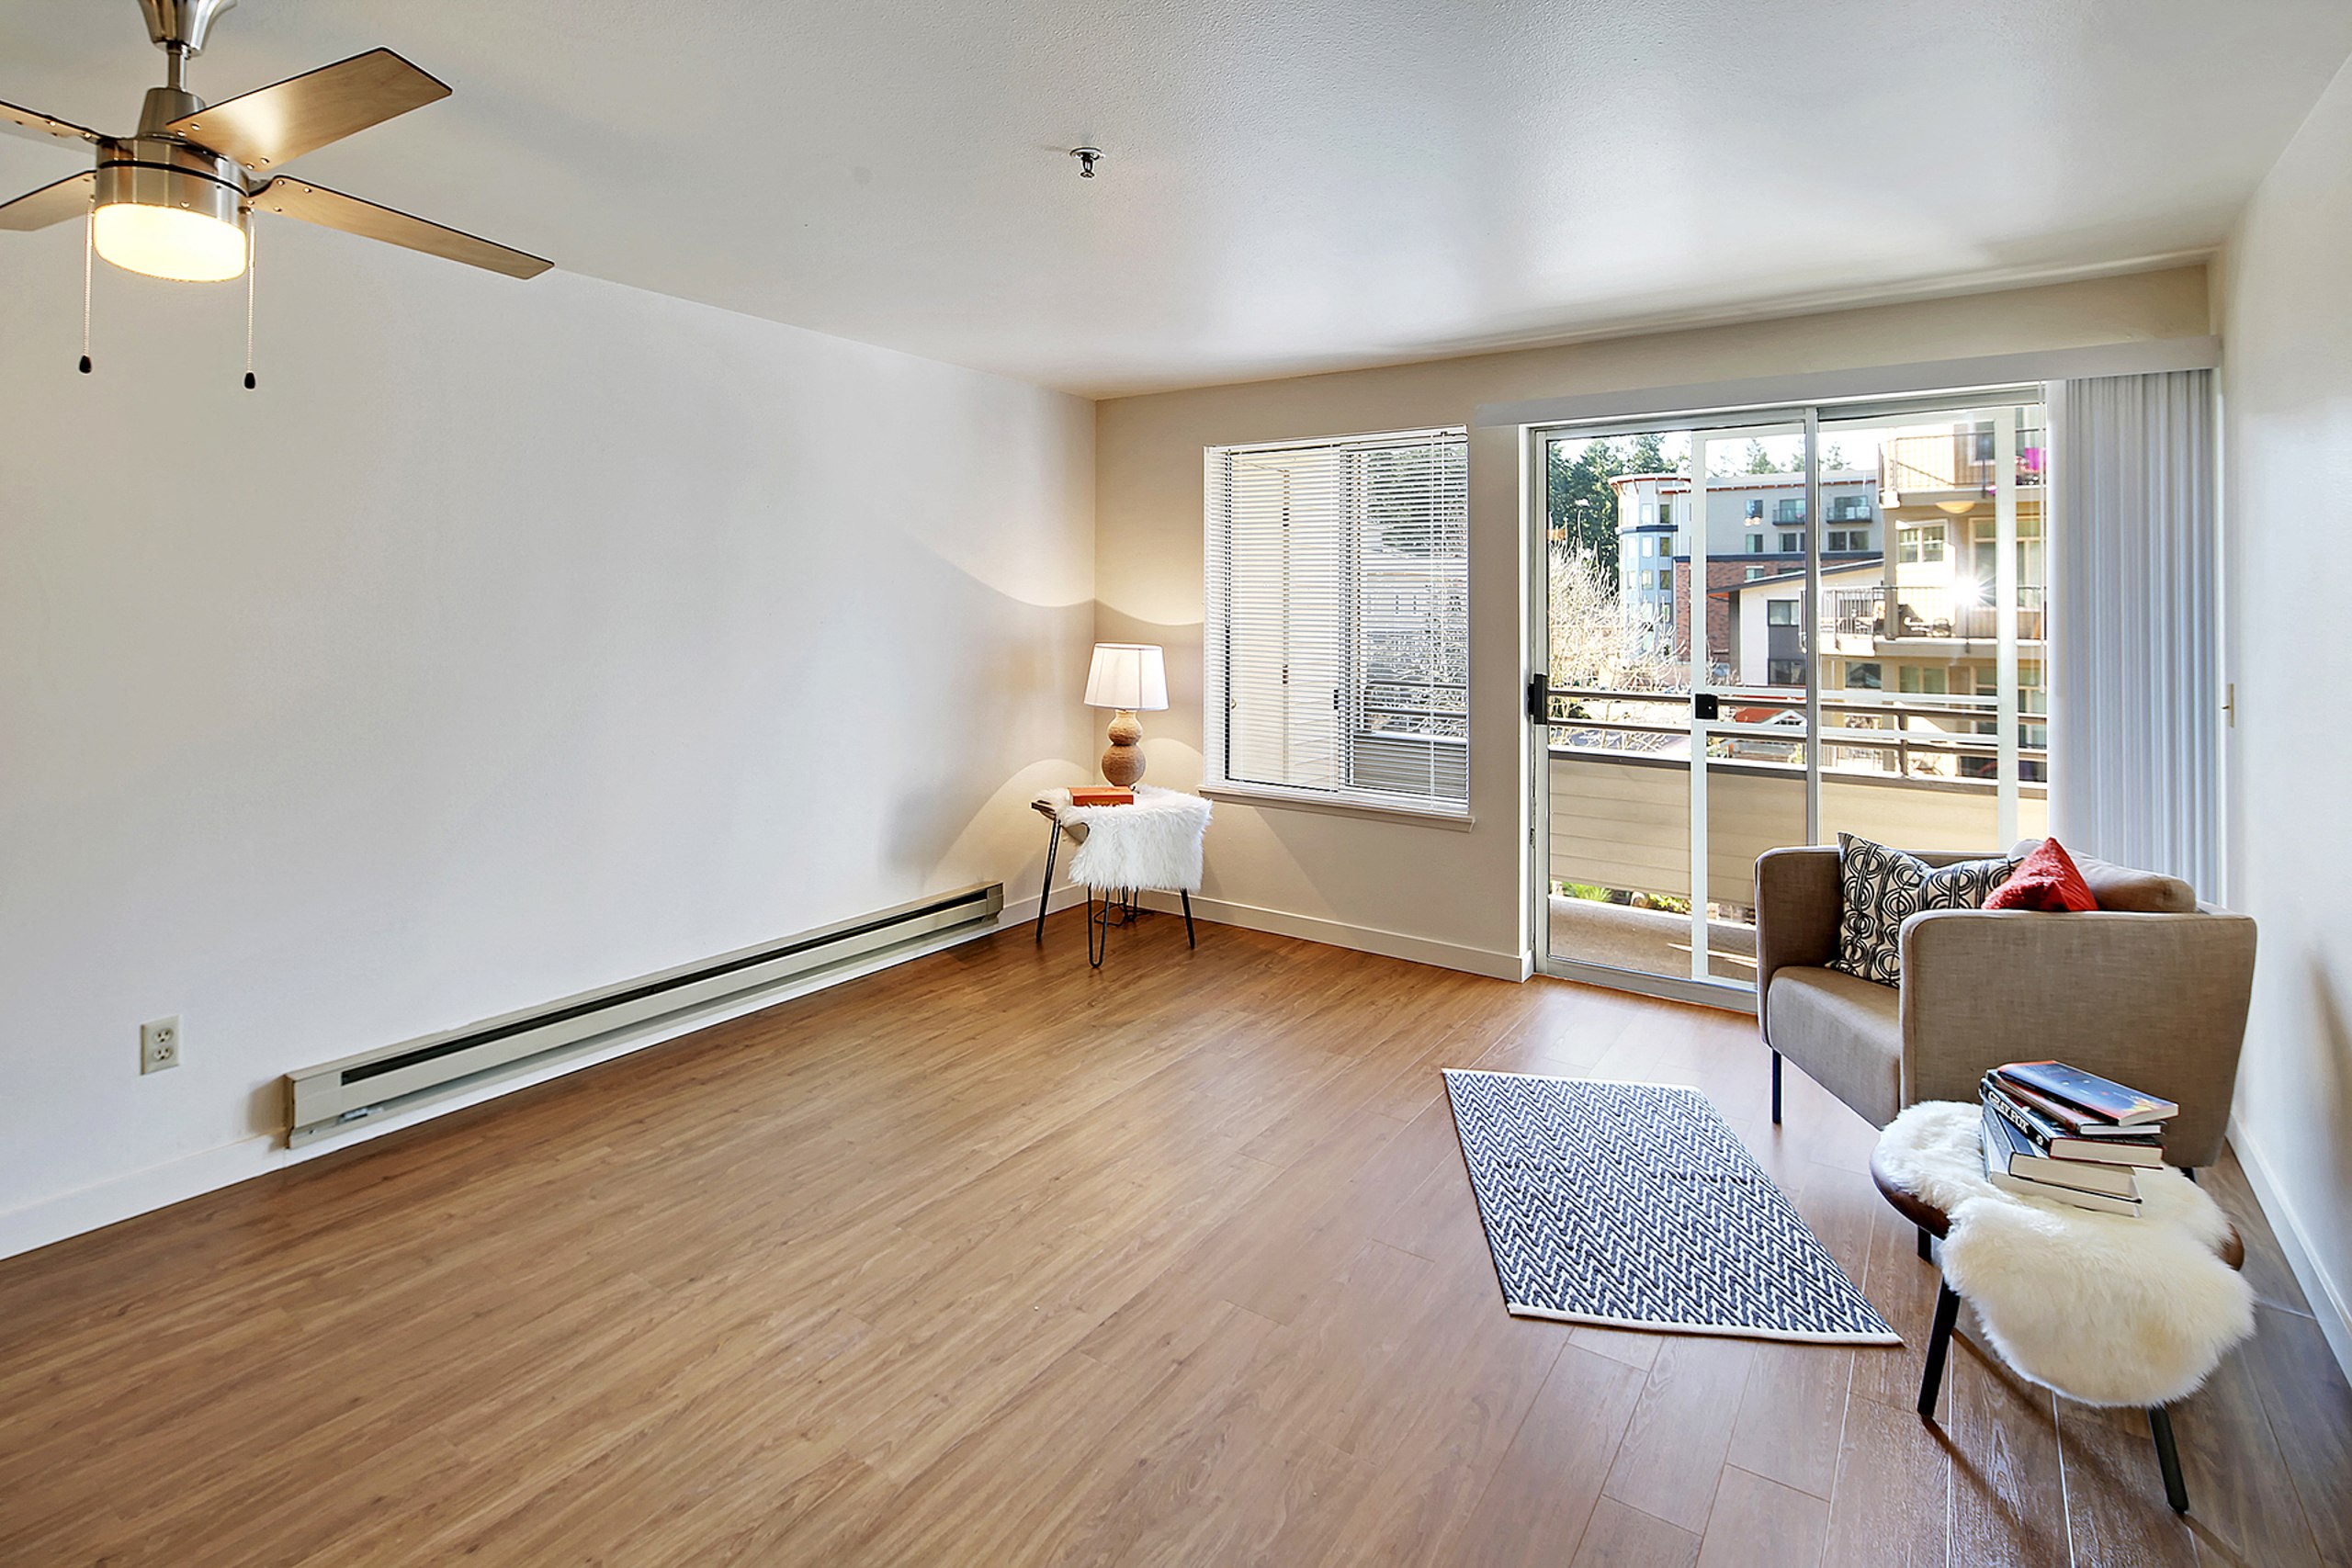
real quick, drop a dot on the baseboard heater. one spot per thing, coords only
(324, 1101)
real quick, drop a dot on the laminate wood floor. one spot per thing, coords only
(995, 1259)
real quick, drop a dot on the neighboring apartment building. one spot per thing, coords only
(1756, 526)
(1919, 622)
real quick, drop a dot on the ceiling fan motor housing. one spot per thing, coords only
(159, 171)
(182, 25)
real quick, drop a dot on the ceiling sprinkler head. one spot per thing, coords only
(1087, 158)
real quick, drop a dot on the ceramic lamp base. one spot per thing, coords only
(1122, 763)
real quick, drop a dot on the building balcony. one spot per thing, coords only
(1952, 464)
(1927, 619)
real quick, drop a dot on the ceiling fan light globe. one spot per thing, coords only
(170, 243)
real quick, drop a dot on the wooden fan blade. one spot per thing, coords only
(333, 210)
(69, 198)
(32, 122)
(270, 124)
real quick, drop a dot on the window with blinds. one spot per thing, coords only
(1337, 619)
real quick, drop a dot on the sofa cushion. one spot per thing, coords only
(1848, 1034)
(1879, 888)
(2124, 890)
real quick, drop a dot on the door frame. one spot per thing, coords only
(1535, 491)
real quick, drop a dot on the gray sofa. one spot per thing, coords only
(2150, 989)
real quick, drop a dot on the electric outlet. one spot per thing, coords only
(159, 1044)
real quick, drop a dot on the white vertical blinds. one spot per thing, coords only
(1338, 618)
(2135, 738)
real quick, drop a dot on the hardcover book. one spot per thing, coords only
(2010, 1151)
(2144, 1151)
(2077, 1122)
(1100, 795)
(2100, 1201)
(2118, 1103)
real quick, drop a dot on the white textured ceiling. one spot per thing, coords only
(1291, 184)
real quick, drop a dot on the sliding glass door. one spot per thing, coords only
(1763, 630)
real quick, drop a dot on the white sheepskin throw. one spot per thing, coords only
(1154, 843)
(2104, 1308)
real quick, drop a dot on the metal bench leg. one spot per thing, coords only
(1046, 892)
(2168, 1457)
(1776, 1089)
(1932, 1380)
(1188, 939)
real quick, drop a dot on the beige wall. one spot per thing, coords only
(2284, 295)
(513, 640)
(1430, 892)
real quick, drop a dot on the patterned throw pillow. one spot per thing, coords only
(1881, 888)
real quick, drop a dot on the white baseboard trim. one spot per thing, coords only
(67, 1214)
(2327, 1301)
(1023, 911)
(1362, 939)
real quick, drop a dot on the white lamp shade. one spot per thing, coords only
(1127, 675)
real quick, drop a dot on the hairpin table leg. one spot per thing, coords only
(1189, 940)
(1046, 892)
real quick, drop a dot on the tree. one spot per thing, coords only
(1581, 505)
(1598, 641)
(1760, 461)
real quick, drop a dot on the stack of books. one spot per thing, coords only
(1100, 794)
(2058, 1132)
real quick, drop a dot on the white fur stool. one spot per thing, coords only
(2105, 1309)
(1153, 844)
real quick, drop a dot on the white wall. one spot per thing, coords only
(1431, 892)
(2284, 294)
(511, 640)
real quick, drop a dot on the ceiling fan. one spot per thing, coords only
(175, 198)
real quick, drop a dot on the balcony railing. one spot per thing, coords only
(1925, 738)
(1956, 460)
(1924, 612)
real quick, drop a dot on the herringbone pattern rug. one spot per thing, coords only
(1636, 1204)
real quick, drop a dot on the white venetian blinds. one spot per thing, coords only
(1338, 618)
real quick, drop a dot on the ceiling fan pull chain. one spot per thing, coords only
(89, 249)
(253, 253)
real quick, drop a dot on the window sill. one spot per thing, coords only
(1418, 816)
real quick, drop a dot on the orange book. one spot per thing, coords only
(1102, 795)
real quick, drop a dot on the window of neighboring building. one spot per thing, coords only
(1848, 508)
(1923, 682)
(1792, 544)
(1863, 676)
(1338, 624)
(1780, 612)
(1923, 545)
(1666, 513)
(1755, 544)
(1784, 671)
(1789, 509)
(1756, 571)
(1849, 539)
(1756, 510)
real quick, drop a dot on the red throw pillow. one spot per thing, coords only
(2045, 879)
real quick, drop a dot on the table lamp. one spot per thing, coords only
(1125, 676)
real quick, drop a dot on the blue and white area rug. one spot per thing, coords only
(1636, 1206)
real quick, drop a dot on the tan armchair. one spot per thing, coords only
(2150, 989)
